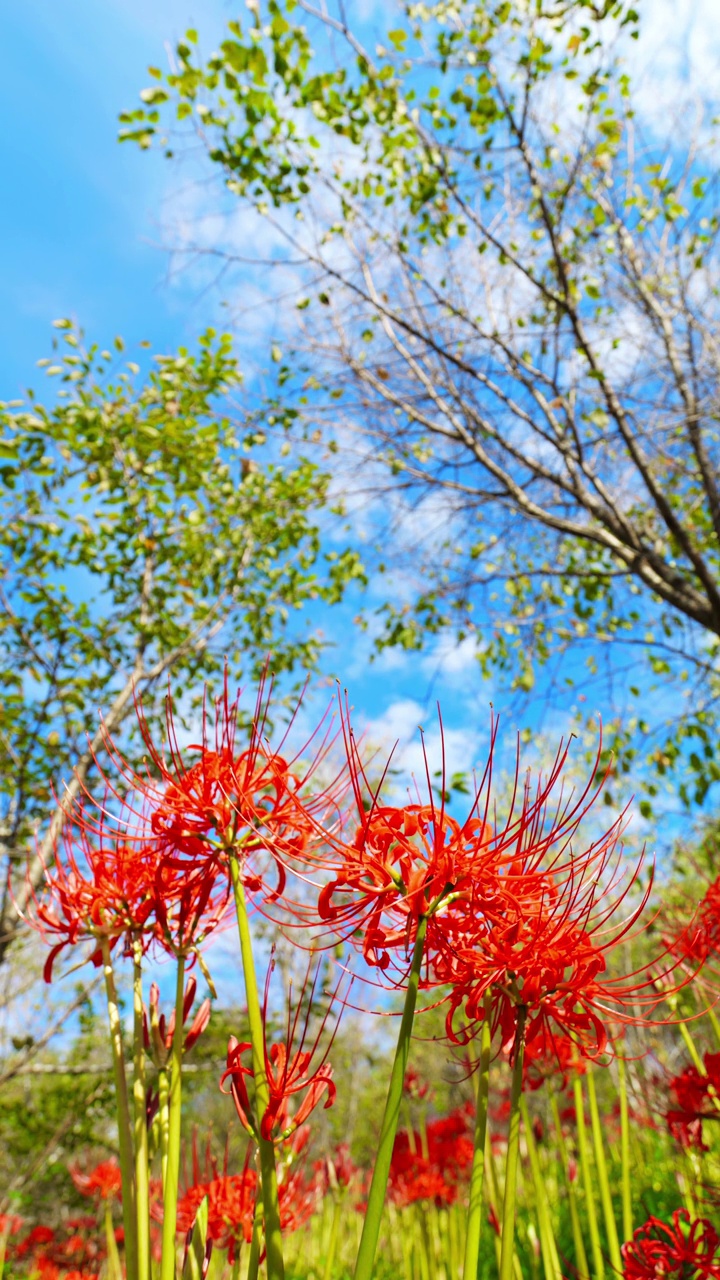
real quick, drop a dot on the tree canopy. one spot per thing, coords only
(147, 526)
(512, 278)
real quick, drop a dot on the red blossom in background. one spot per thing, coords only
(683, 1250)
(104, 1182)
(694, 1096)
(336, 1170)
(231, 1209)
(73, 1251)
(431, 1165)
(554, 1059)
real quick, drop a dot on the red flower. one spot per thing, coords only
(403, 864)
(336, 1170)
(289, 1069)
(685, 1250)
(215, 796)
(695, 1098)
(430, 1165)
(104, 1182)
(104, 890)
(231, 1209)
(542, 943)
(298, 1198)
(552, 1058)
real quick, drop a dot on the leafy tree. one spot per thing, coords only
(514, 296)
(146, 528)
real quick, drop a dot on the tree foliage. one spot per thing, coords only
(146, 526)
(513, 287)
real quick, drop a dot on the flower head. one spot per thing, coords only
(293, 1069)
(104, 1182)
(694, 1095)
(682, 1250)
(231, 1209)
(222, 795)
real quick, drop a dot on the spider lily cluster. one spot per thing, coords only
(515, 924)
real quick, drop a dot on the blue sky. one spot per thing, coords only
(82, 222)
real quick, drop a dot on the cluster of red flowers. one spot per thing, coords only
(231, 1209)
(71, 1252)
(696, 1098)
(149, 862)
(681, 1250)
(233, 1198)
(431, 1164)
(515, 912)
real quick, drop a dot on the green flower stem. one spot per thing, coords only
(391, 1116)
(625, 1152)
(123, 1115)
(268, 1170)
(551, 1260)
(475, 1207)
(142, 1189)
(691, 1048)
(114, 1269)
(163, 1118)
(714, 1023)
(581, 1262)
(168, 1266)
(603, 1180)
(587, 1181)
(254, 1257)
(334, 1232)
(513, 1149)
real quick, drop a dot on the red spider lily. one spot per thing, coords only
(683, 1250)
(336, 1170)
(696, 1100)
(216, 796)
(449, 1139)
(544, 945)
(481, 885)
(36, 1238)
(699, 941)
(72, 1251)
(431, 1164)
(420, 1183)
(414, 1087)
(159, 1036)
(108, 891)
(104, 1182)
(114, 881)
(550, 1059)
(231, 1209)
(402, 864)
(298, 1198)
(288, 1067)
